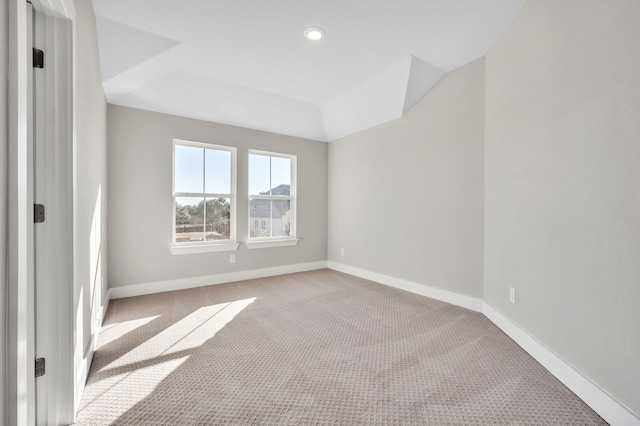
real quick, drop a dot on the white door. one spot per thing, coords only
(41, 225)
(40, 267)
(52, 228)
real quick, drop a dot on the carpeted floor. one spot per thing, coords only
(318, 347)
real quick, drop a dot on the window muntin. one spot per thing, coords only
(204, 193)
(272, 180)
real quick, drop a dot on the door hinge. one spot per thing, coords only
(38, 58)
(38, 213)
(40, 367)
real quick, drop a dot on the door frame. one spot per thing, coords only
(58, 129)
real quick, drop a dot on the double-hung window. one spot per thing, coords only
(204, 195)
(272, 199)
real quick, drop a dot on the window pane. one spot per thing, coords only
(188, 172)
(189, 219)
(217, 171)
(218, 219)
(281, 218)
(259, 175)
(280, 176)
(259, 218)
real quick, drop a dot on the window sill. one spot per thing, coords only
(260, 244)
(204, 248)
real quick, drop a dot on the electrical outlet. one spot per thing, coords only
(512, 295)
(341, 252)
(232, 258)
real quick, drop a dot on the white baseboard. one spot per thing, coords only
(595, 397)
(457, 299)
(105, 306)
(181, 284)
(82, 372)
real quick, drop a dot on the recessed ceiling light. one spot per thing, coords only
(314, 33)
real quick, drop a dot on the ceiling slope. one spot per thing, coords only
(384, 97)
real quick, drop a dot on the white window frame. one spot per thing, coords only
(192, 247)
(279, 241)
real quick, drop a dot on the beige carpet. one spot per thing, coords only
(313, 348)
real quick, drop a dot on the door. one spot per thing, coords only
(52, 189)
(41, 224)
(40, 165)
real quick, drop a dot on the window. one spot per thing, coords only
(272, 192)
(204, 197)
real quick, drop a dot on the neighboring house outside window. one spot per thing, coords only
(204, 186)
(272, 192)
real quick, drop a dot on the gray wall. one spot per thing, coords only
(562, 184)
(141, 203)
(91, 179)
(4, 60)
(406, 197)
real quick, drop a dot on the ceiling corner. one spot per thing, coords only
(422, 77)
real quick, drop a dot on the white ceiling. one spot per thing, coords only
(247, 63)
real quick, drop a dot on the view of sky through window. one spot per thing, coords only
(268, 172)
(192, 174)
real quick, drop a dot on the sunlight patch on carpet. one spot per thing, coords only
(133, 376)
